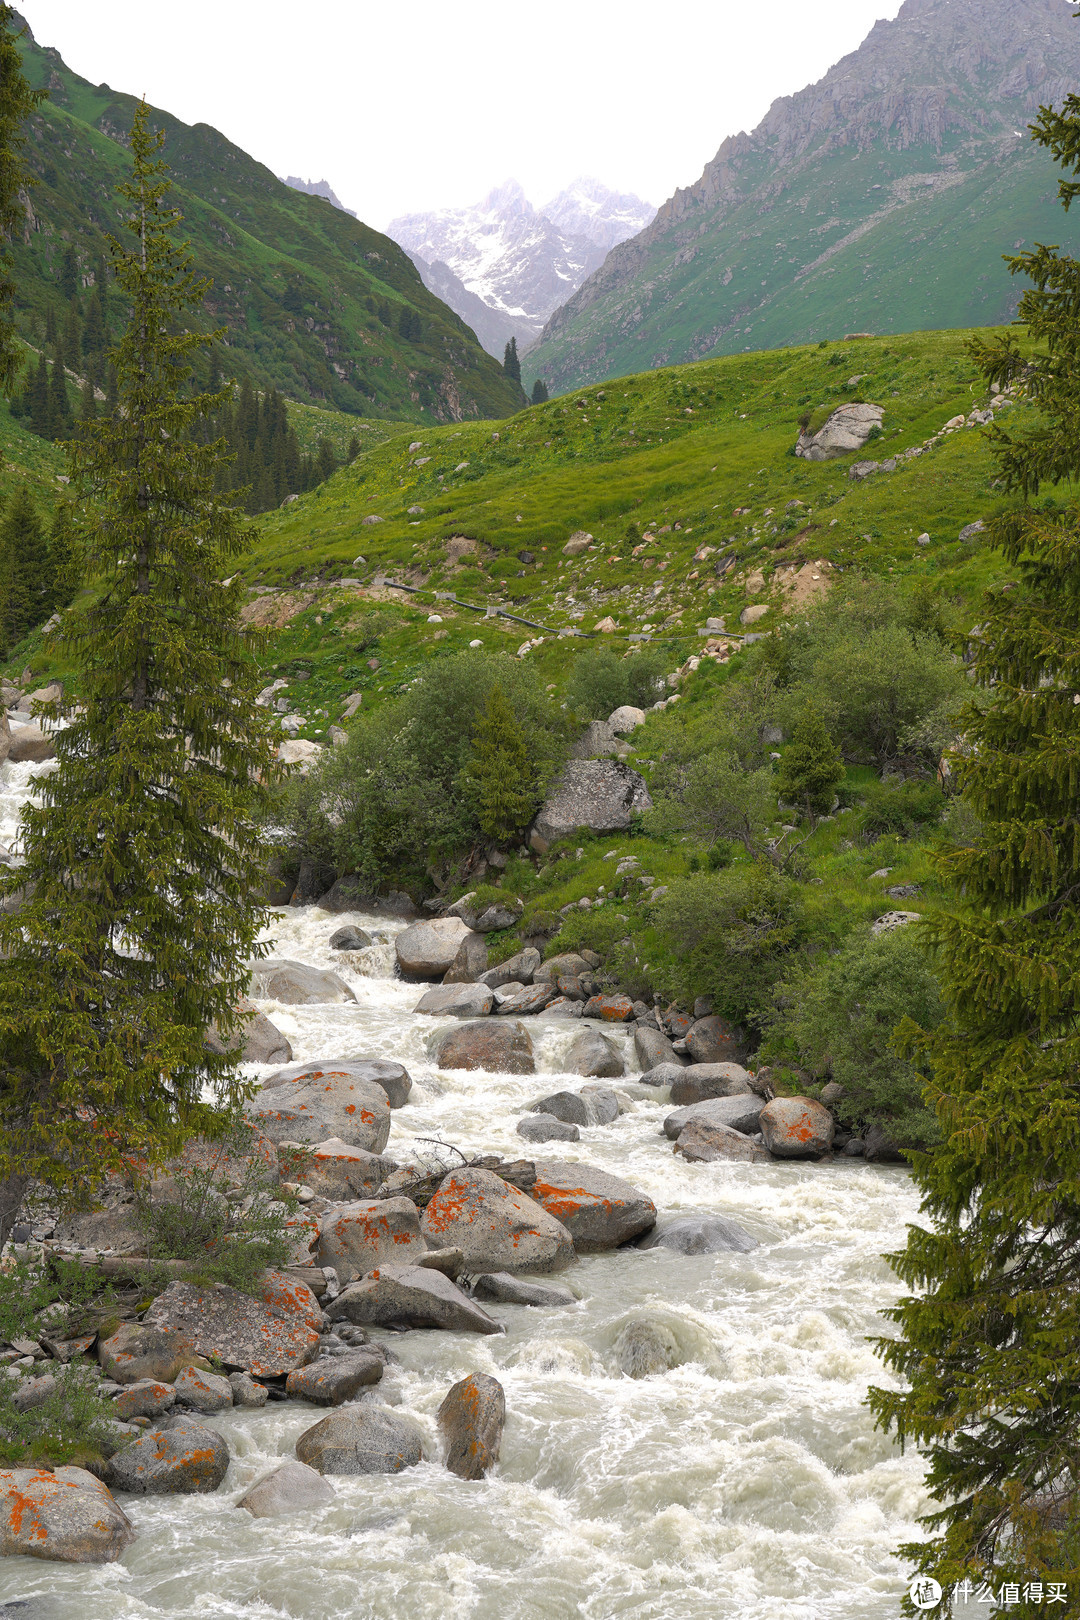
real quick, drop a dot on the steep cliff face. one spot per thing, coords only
(881, 197)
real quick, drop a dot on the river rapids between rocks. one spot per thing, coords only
(745, 1483)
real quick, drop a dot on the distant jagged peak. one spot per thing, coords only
(317, 188)
(589, 208)
(508, 199)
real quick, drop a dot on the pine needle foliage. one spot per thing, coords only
(989, 1342)
(502, 771)
(143, 853)
(812, 767)
(17, 102)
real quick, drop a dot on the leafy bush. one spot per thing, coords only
(711, 797)
(900, 808)
(602, 682)
(76, 1293)
(74, 1424)
(841, 1025)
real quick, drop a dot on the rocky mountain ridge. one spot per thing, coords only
(318, 188)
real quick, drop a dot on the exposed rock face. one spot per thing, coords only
(296, 984)
(138, 1351)
(361, 1440)
(66, 1515)
(392, 1077)
(598, 1210)
(185, 1459)
(703, 1142)
(739, 1113)
(456, 1001)
(267, 1336)
(355, 1238)
(847, 429)
(341, 1173)
(496, 1227)
(597, 740)
(289, 1489)
(411, 1296)
(700, 1081)
(593, 1054)
(315, 1103)
(796, 1128)
(520, 969)
(332, 1380)
(472, 1418)
(700, 1234)
(428, 949)
(599, 795)
(499, 1048)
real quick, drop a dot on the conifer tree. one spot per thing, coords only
(64, 558)
(502, 771)
(511, 363)
(142, 856)
(989, 1339)
(38, 401)
(539, 392)
(25, 581)
(17, 102)
(59, 405)
(812, 766)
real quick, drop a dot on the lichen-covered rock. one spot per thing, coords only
(247, 1391)
(355, 1238)
(495, 1046)
(599, 1211)
(652, 1047)
(319, 1101)
(148, 1398)
(496, 1227)
(714, 1040)
(699, 1082)
(289, 1489)
(362, 1439)
(428, 949)
(267, 1336)
(472, 1418)
(470, 962)
(796, 1128)
(331, 1380)
(531, 998)
(410, 1296)
(594, 1055)
(147, 1349)
(204, 1391)
(612, 1009)
(391, 1077)
(567, 966)
(341, 1173)
(296, 983)
(596, 795)
(66, 1515)
(183, 1459)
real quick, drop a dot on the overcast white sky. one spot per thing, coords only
(428, 104)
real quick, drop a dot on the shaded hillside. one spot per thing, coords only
(316, 304)
(880, 199)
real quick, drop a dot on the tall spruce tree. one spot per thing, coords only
(502, 771)
(511, 362)
(17, 102)
(142, 856)
(26, 587)
(539, 392)
(812, 766)
(989, 1341)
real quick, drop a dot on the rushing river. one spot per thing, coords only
(746, 1483)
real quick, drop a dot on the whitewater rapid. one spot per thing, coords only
(746, 1483)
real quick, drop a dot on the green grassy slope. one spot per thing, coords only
(312, 299)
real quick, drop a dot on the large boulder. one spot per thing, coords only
(517, 969)
(289, 1489)
(206, 1392)
(497, 1048)
(470, 962)
(138, 1351)
(487, 918)
(186, 1458)
(361, 1439)
(355, 1238)
(349, 939)
(392, 1077)
(600, 1211)
(428, 949)
(64, 1514)
(317, 1103)
(296, 984)
(703, 1143)
(496, 1227)
(652, 1047)
(350, 893)
(698, 1082)
(593, 1054)
(847, 429)
(612, 1009)
(796, 1128)
(739, 1113)
(341, 1173)
(261, 1041)
(332, 1380)
(714, 1040)
(600, 1106)
(410, 1296)
(506, 1289)
(531, 998)
(700, 1234)
(596, 795)
(267, 1336)
(567, 966)
(30, 745)
(456, 1001)
(596, 740)
(148, 1398)
(546, 1128)
(472, 1418)
(625, 718)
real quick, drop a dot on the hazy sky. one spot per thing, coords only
(429, 104)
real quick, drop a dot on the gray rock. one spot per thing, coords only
(261, 1041)
(599, 795)
(532, 999)
(33, 1392)
(496, 1227)
(141, 1350)
(65, 1516)
(600, 1211)
(113, 1228)
(289, 1489)
(847, 429)
(350, 893)
(331, 1380)
(568, 1106)
(702, 1142)
(796, 1128)
(563, 1007)
(183, 1459)
(597, 740)
(567, 966)
(30, 745)
(470, 962)
(879, 1147)
(496, 1047)
(894, 919)
(519, 968)
(506, 1289)
(472, 1418)
(204, 1391)
(410, 1296)
(342, 1173)
(361, 1439)
(355, 1238)
(663, 1074)
(714, 1040)
(970, 530)
(428, 949)
(653, 1048)
(626, 718)
(593, 1054)
(700, 1234)
(391, 1077)
(456, 1001)
(246, 1391)
(487, 919)
(267, 1336)
(147, 1398)
(297, 984)
(546, 1128)
(700, 1081)
(739, 1113)
(314, 1103)
(348, 939)
(644, 1349)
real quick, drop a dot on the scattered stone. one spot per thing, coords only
(487, 919)
(703, 1143)
(506, 1289)
(599, 1211)
(204, 1391)
(472, 1417)
(428, 949)
(612, 1009)
(847, 429)
(183, 1459)
(64, 1515)
(577, 543)
(497, 1048)
(796, 1128)
(349, 939)
(894, 919)
(314, 1103)
(533, 998)
(626, 718)
(600, 795)
(457, 1001)
(334, 1379)
(497, 1227)
(738, 1113)
(289, 1489)
(470, 962)
(355, 1238)
(653, 1047)
(700, 1234)
(593, 1054)
(410, 1296)
(246, 1391)
(714, 1040)
(546, 1128)
(646, 1348)
(297, 984)
(138, 1351)
(339, 1172)
(267, 1336)
(970, 530)
(148, 1398)
(32, 1392)
(361, 1439)
(701, 1081)
(518, 969)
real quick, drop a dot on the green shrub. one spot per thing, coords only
(77, 1293)
(601, 682)
(74, 1424)
(900, 808)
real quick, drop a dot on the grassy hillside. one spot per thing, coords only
(316, 303)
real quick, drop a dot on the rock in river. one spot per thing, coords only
(498, 1048)
(332, 1380)
(427, 949)
(700, 1234)
(599, 1211)
(267, 1336)
(456, 1001)
(593, 1054)
(700, 1081)
(339, 1172)
(391, 1077)
(295, 983)
(145, 1350)
(796, 1128)
(411, 1296)
(66, 1515)
(703, 1142)
(355, 1238)
(741, 1113)
(546, 1128)
(186, 1458)
(506, 1289)
(472, 1418)
(496, 1227)
(289, 1489)
(361, 1439)
(714, 1040)
(314, 1103)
